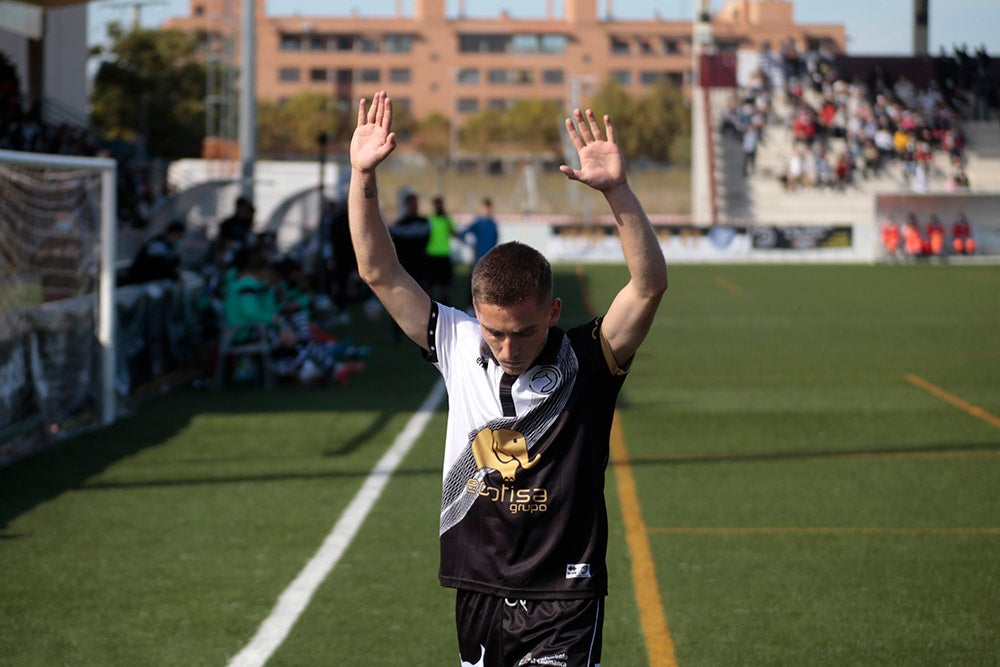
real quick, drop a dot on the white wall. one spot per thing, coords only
(65, 73)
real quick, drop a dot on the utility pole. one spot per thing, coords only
(921, 11)
(248, 96)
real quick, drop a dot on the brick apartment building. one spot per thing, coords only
(455, 64)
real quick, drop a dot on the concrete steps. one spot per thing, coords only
(983, 152)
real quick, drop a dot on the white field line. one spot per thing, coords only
(293, 601)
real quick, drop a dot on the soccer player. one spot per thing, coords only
(523, 526)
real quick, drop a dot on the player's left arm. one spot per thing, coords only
(602, 167)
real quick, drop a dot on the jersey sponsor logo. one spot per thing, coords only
(578, 570)
(545, 379)
(518, 500)
(502, 450)
(506, 452)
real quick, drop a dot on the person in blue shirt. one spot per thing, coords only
(482, 230)
(481, 234)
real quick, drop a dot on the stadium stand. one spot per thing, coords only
(839, 130)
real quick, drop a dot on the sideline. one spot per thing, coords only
(293, 601)
(659, 645)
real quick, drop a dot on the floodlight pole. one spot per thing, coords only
(248, 96)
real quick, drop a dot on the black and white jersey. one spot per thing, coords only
(522, 507)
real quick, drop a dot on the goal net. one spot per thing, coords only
(57, 245)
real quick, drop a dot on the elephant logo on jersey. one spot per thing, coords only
(502, 450)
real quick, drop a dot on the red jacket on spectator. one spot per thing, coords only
(961, 234)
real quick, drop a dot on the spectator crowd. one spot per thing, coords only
(845, 128)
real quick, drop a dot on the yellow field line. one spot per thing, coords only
(727, 285)
(956, 453)
(794, 530)
(659, 645)
(973, 410)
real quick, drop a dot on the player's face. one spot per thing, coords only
(516, 334)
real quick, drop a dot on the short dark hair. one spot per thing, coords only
(511, 273)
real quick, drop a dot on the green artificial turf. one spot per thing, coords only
(806, 502)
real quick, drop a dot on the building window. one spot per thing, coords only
(522, 77)
(553, 76)
(497, 76)
(670, 46)
(480, 43)
(369, 75)
(645, 48)
(397, 43)
(317, 43)
(366, 45)
(399, 75)
(468, 76)
(648, 77)
(619, 47)
(524, 43)
(554, 43)
(468, 105)
(199, 10)
(289, 74)
(343, 43)
(623, 76)
(291, 43)
(345, 76)
(319, 74)
(498, 103)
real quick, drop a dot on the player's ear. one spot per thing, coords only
(554, 310)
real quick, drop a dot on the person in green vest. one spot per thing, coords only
(439, 266)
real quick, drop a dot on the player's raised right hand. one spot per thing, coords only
(373, 138)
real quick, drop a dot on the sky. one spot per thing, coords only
(879, 27)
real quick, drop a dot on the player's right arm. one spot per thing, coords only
(378, 264)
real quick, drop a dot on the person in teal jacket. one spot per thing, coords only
(249, 299)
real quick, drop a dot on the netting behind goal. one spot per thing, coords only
(56, 334)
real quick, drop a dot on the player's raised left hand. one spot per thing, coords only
(602, 166)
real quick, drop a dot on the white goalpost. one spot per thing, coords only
(58, 226)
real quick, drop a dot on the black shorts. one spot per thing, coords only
(503, 632)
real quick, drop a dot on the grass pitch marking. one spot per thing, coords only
(822, 530)
(659, 645)
(965, 406)
(293, 601)
(728, 285)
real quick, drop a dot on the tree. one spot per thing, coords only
(482, 132)
(432, 138)
(664, 120)
(151, 87)
(654, 121)
(293, 127)
(534, 125)
(611, 98)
